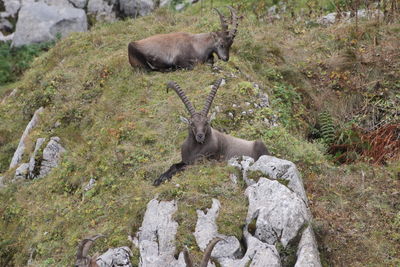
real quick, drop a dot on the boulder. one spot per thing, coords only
(102, 10)
(135, 8)
(33, 164)
(39, 22)
(21, 146)
(115, 257)
(275, 168)
(12, 7)
(51, 156)
(307, 252)
(22, 172)
(79, 3)
(281, 213)
(206, 230)
(156, 237)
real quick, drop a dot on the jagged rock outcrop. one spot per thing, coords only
(278, 217)
(115, 257)
(279, 212)
(333, 17)
(206, 230)
(51, 156)
(156, 237)
(136, 8)
(39, 22)
(19, 152)
(40, 165)
(42, 20)
(278, 205)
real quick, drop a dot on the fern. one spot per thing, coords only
(327, 127)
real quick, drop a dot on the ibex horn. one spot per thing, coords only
(224, 23)
(182, 95)
(235, 22)
(211, 96)
(207, 252)
(85, 245)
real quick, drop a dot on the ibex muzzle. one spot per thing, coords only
(205, 142)
(163, 52)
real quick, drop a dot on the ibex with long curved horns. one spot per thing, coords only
(171, 51)
(205, 142)
(82, 258)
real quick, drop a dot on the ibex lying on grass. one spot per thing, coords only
(205, 142)
(207, 254)
(171, 51)
(82, 258)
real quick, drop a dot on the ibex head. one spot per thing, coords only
(224, 38)
(199, 122)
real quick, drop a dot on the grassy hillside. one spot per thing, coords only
(121, 128)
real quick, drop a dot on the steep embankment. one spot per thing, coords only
(121, 128)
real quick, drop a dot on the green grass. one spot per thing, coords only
(120, 127)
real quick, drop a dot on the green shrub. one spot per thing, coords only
(14, 61)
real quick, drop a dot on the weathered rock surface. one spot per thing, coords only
(21, 146)
(79, 3)
(307, 252)
(333, 17)
(156, 237)
(135, 8)
(12, 7)
(281, 213)
(115, 257)
(32, 161)
(22, 172)
(51, 156)
(275, 168)
(206, 230)
(102, 10)
(39, 22)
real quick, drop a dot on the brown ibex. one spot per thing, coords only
(207, 254)
(82, 258)
(163, 52)
(205, 142)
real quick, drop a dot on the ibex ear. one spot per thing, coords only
(184, 120)
(212, 117)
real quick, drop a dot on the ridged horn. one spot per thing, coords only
(85, 245)
(224, 23)
(234, 22)
(188, 259)
(207, 252)
(211, 96)
(182, 95)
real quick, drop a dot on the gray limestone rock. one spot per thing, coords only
(281, 213)
(135, 8)
(32, 161)
(21, 146)
(22, 172)
(12, 6)
(156, 237)
(39, 22)
(102, 10)
(275, 168)
(206, 230)
(79, 3)
(307, 252)
(51, 156)
(115, 257)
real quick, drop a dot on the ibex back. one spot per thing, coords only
(163, 52)
(205, 142)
